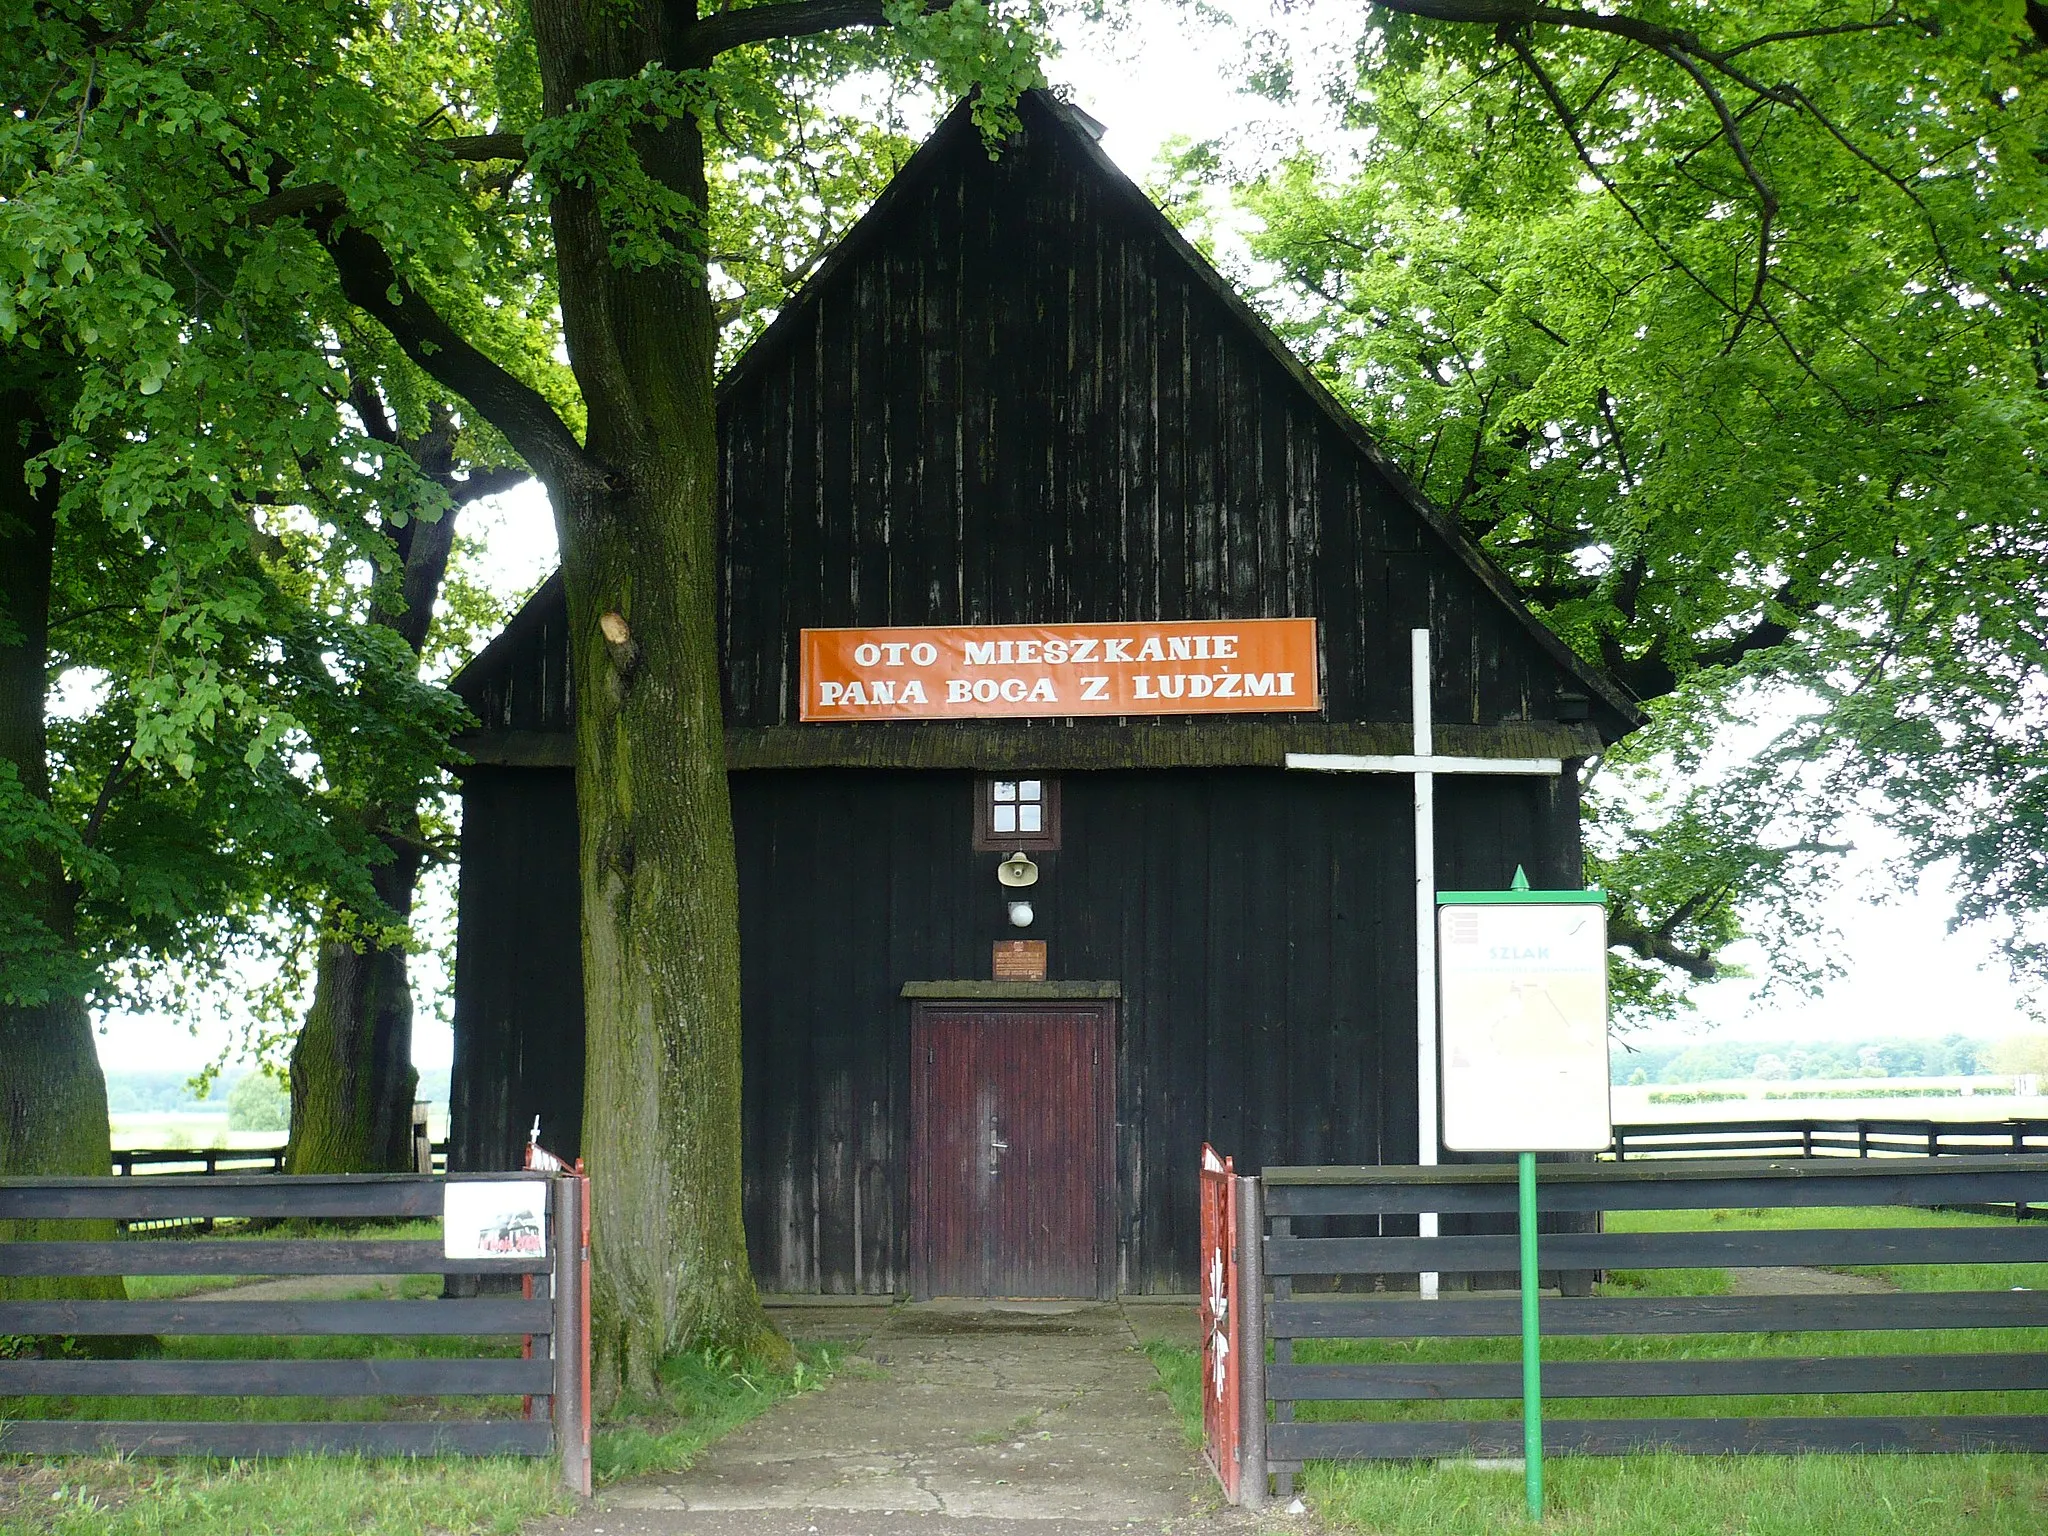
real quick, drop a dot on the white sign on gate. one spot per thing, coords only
(1523, 999)
(494, 1219)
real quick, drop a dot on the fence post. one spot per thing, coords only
(1251, 1339)
(571, 1338)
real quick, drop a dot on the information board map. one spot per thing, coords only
(1523, 1024)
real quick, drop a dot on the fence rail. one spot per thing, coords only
(210, 1161)
(1308, 1222)
(552, 1372)
(1829, 1138)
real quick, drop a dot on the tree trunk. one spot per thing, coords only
(661, 1126)
(53, 1120)
(53, 1096)
(352, 1077)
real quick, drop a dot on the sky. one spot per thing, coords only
(1165, 73)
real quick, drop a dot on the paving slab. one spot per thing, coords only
(1046, 1413)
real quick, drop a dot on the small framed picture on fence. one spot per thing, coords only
(494, 1219)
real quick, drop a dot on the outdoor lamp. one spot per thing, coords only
(1015, 873)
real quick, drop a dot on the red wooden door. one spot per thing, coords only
(1013, 1174)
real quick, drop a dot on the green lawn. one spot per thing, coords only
(1663, 1495)
(176, 1287)
(702, 1398)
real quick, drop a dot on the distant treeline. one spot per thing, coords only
(159, 1093)
(1715, 1061)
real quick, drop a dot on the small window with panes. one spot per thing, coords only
(1014, 813)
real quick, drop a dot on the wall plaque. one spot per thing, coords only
(999, 671)
(1019, 960)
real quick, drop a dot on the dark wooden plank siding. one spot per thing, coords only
(1257, 921)
(1023, 406)
(1267, 995)
(518, 969)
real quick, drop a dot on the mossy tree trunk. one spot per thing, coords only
(352, 1077)
(53, 1095)
(661, 1116)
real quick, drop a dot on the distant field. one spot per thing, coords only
(200, 1129)
(186, 1128)
(1778, 1099)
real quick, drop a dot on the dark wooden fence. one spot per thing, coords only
(1337, 1268)
(552, 1317)
(213, 1160)
(201, 1160)
(1829, 1138)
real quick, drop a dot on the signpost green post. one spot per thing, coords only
(1532, 1345)
(1522, 983)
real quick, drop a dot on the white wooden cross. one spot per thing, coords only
(1424, 764)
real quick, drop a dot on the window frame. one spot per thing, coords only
(988, 840)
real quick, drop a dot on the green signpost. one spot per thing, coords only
(1522, 990)
(1532, 1346)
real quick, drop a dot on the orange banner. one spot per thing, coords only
(1220, 666)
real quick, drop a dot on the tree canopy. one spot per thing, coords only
(1722, 326)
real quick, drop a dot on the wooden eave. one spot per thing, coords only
(1064, 746)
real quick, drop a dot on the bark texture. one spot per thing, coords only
(661, 1128)
(53, 1095)
(352, 1077)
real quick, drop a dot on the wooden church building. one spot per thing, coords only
(1040, 555)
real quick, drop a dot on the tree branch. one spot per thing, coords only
(480, 483)
(370, 280)
(702, 41)
(293, 201)
(1651, 34)
(483, 146)
(1570, 120)
(1656, 944)
(1766, 198)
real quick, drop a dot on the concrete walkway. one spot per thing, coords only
(951, 1419)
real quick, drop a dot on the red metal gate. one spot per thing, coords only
(1221, 1334)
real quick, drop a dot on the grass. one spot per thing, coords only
(703, 1396)
(1180, 1378)
(1665, 1495)
(176, 1287)
(1659, 1495)
(302, 1496)
(1696, 1496)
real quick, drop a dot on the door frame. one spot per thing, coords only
(1106, 1188)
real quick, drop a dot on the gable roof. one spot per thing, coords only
(1040, 112)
